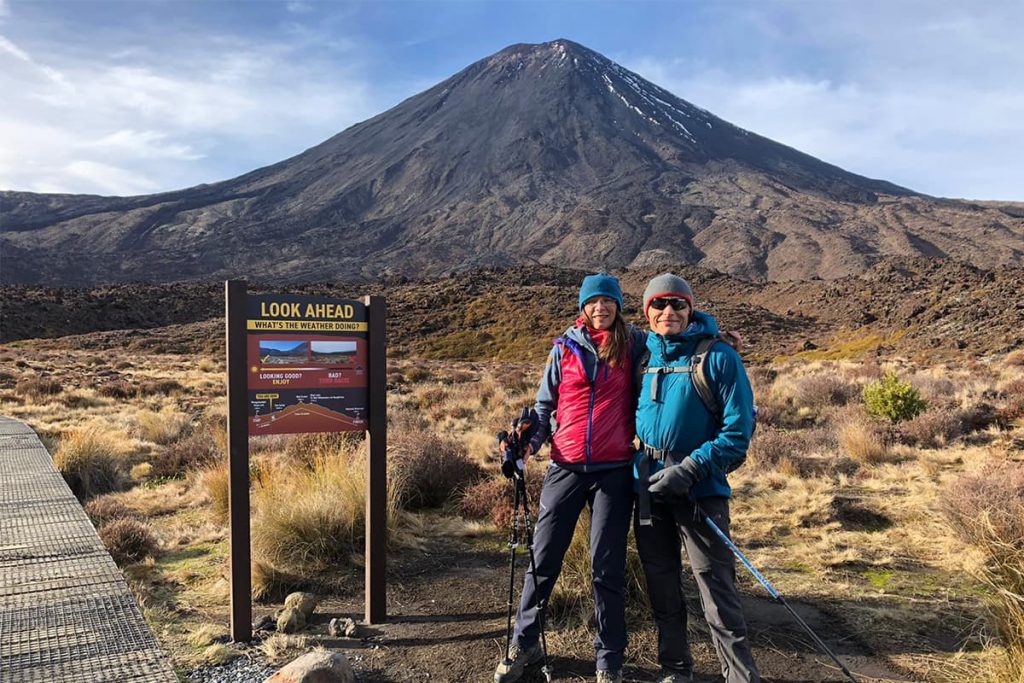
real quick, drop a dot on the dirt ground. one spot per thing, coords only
(447, 617)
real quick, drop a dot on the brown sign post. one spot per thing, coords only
(301, 364)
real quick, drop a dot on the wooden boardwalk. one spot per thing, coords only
(66, 614)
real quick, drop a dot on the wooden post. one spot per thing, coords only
(238, 462)
(377, 473)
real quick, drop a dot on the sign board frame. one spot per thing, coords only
(324, 394)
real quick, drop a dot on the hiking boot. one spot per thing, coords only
(669, 676)
(609, 676)
(512, 669)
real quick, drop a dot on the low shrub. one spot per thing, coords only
(91, 460)
(492, 498)
(1015, 358)
(821, 391)
(933, 428)
(771, 446)
(79, 400)
(116, 388)
(191, 453)
(427, 470)
(164, 387)
(892, 399)
(38, 388)
(987, 511)
(128, 540)
(105, 509)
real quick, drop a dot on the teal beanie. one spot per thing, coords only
(601, 284)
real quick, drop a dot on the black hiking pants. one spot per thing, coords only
(609, 494)
(714, 570)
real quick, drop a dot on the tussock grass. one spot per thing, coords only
(308, 521)
(213, 481)
(91, 459)
(987, 510)
(862, 440)
(161, 427)
(280, 647)
(38, 389)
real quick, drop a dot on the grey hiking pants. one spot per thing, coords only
(714, 570)
(609, 493)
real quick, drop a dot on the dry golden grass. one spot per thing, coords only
(161, 427)
(862, 440)
(92, 460)
(311, 520)
(825, 521)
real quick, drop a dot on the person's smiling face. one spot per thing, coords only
(600, 312)
(668, 315)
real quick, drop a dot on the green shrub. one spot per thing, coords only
(893, 399)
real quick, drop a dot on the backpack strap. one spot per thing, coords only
(701, 381)
(697, 370)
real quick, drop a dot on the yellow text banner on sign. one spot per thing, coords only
(305, 326)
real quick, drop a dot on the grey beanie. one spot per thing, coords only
(667, 284)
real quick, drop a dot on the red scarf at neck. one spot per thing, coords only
(600, 337)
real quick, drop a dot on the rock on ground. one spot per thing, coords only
(316, 667)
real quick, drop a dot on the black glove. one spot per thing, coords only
(510, 459)
(525, 427)
(676, 481)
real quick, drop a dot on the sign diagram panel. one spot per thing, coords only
(307, 359)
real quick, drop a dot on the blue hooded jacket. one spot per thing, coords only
(678, 420)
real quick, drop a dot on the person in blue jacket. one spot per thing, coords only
(688, 445)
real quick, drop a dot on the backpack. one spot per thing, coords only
(697, 370)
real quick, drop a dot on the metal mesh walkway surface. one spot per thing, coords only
(66, 614)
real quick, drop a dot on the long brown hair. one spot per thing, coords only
(614, 348)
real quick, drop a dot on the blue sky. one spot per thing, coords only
(134, 96)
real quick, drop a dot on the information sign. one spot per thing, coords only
(307, 360)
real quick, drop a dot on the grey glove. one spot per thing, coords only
(675, 481)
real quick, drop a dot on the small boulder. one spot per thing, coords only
(343, 627)
(304, 602)
(316, 667)
(264, 623)
(291, 620)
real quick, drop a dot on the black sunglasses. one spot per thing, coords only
(662, 303)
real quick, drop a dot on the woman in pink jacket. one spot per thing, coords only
(588, 387)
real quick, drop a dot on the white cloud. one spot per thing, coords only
(110, 179)
(139, 119)
(937, 107)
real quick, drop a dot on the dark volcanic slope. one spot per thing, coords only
(538, 154)
(920, 307)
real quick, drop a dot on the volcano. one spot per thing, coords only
(549, 154)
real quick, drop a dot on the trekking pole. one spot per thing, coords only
(513, 542)
(546, 667)
(771, 590)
